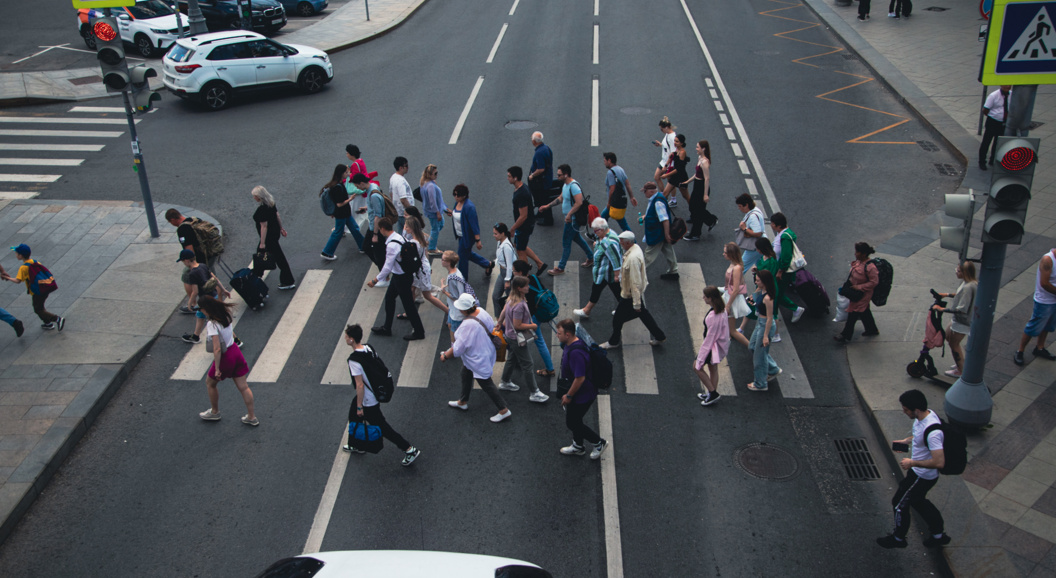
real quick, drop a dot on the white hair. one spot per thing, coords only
(537, 136)
(264, 196)
(599, 223)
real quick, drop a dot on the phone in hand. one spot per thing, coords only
(900, 447)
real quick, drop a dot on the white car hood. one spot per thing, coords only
(166, 22)
(306, 50)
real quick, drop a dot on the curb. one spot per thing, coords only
(403, 17)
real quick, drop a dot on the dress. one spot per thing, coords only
(680, 175)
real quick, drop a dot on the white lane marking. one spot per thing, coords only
(365, 311)
(41, 162)
(708, 82)
(594, 113)
(566, 289)
(730, 134)
(326, 503)
(725, 120)
(714, 94)
(744, 167)
(61, 120)
(50, 147)
(718, 105)
(514, 7)
(417, 367)
(770, 198)
(280, 345)
(465, 111)
(62, 133)
(29, 178)
(737, 150)
(14, 195)
(639, 368)
(692, 286)
(793, 381)
(609, 504)
(596, 33)
(596, 7)
(97, 109)
(754, 192)
(197, 359)
(495, 47)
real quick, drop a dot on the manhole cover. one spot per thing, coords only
(635, 110)
(85, 80)
(766, 461)
(935, 9)
(928, 146)
(521, 124)
(842, 165)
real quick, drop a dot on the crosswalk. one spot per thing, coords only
(639, 376)
(23, 177)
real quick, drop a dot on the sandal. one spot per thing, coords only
(544, 372)
(555, 272)
(752, 387)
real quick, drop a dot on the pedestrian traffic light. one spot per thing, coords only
(1010, 182)
(111, 54)
(958, 206)
(142, 96)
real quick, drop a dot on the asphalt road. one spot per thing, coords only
(152, 491)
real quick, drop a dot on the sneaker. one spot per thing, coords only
(798, 314)
(581, 313)
(384, 283)
(1042, 353)
(538, 397)
(413, 336)
(185, 310)
(381, 330)
(776, 339)
(839, 338)
(598, 449)
(285, 287)
(436, 253)
(655, 342)
(458, 405)
(509, 386)
(208, 415)
(410, 455)
(61, 322)
(710, 398)
(933, 542)
(50, 326)
(712, 226)
(772, 377)
(1017, 358)
(954, 366)
(862, 18)
(500, 416)
(952, 373)
(690, 238)
(352, 450)
(573, 450)
(890, 541)
(191, 338)
(673, 202)
(239, 342)
(892, 15)
(253, 422)
(896, 17)
(608, 345)
(327, 257)
(19, 328)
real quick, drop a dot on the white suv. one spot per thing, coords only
(150, 25)
(211, 67)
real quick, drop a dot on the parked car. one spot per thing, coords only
(150, 25)
(212, 67)
(401, 564)
(304, 7)
(268, 15)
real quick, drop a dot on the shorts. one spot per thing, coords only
(959, 328)
(199, 314)
(453, 324)
(1043, 319)
(704, 358)
(520, 239)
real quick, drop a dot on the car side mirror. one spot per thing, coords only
(122, 16)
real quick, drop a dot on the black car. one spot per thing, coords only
(268, 15)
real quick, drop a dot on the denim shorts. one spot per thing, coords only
(1042, 319)
(453, 324)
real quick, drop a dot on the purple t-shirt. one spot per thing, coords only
(574, 363)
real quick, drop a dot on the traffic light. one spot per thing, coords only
(110, 50)
(142, 96)
(1013, 174)
(958, 206)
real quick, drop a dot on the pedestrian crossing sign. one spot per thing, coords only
(1021, 44)
(102, 3)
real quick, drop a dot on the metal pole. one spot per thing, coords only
(141, 168)
(968, 402)
(179, 20)
(1020, 110)
(963, 255)
(366, 3)
(194, 16)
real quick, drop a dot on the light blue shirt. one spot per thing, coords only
(567, 192)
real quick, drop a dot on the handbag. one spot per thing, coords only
(523, 338)
(496, 339)
(841, 308)
(798, 261)
(850, 292)
(365, 437)
(262, 259)
(736, 307)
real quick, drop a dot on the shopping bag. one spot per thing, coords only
(841, 308)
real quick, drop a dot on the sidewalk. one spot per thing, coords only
(117, 287)
(1002, 512)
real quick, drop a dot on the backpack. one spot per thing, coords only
(618, 200)
(410, 260)
(41, 281)
(390, 209)
(326, 203)
(599, 370)
(381, 383)
(546, 305)
(677, 228)
(209, 238)
(886, 274)
(954, 448)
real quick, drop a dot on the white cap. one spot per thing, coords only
(465, 302)
(627, 236)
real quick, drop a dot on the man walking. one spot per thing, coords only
(400, 284)
(922, 472)
(541, 173)
(619, 190)
(36, 277)
(657, 224)
(400, 189)
(571, 200)
(188, 239)
(523, 217)
(633, 283)
(996, 110)
(1043, 319)
(575, 363)
(203, 282)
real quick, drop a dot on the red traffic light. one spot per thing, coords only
(1018, 158)
(104, 31)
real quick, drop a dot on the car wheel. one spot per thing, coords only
(144, 46)
(305, 9)
(312, 79)
(216, 95)
(88, 36)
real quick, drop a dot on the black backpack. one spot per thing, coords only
(410, 260)
(619, 195)
(954, 448)
(600, 368)
(886, 274)
(378, 375)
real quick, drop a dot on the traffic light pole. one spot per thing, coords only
(195, 20)
(140, 168)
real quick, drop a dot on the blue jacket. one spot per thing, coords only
(654, 229)
(470, 226)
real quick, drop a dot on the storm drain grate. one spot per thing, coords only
(85, 80)
(935, 9)
(766, 461)
(947, 170)
(928, 146)
(1034, 125)
(857, 460)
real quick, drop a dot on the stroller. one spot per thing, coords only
(934, 336)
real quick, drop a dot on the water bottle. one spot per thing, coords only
(640, 218)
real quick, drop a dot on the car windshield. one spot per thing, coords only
(149, 9)
(179, 53)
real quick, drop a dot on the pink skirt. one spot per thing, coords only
(232, 364)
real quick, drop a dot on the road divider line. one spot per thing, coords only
(737, 150)
(268, 366)
(730, 134)
(639, 368)
(61, 120)
(609, 502)
(566, 289)
(417, 367)
(364, 312)
(495, 47)
(41, 162)
(19, 178)
(514, 7)
(62, 133)
(465, 111)
(692, 286)
(50, 147)
(596, 7)
(594, 112)
(326, 503)
(724, 119)
(744, 167)
(104, 109)
(596, 34)
(718, 105)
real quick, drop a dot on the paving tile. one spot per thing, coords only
(1020, 489)
(1037, 470)
(1024, 566)
(978, 492)
(984, 474)
(1009, 448)
(25, 384)
(1025, 544)
(26, 426)
(1045, 452)
(1041, 525)
(44, 412)
(1002, 508)
(1046, 504)
(11, 458)
(13, 412)
(1023, 388)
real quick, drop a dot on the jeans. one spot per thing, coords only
(285, 273)
(372, 415)
(400, 286)
(625, 312)
(10, 319)
(913, 493)
(571, 235)
(436, 225)
(574, 413)
(519, 358)
(339, 230)
(749, 258)
(540, 344)
(763, 364)
(487, 385)
(622, 222)
(467, 255)
(400, 222)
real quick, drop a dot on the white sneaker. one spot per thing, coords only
(598, 449)
(673, 202)
(208, 415)
(776, 339)
(509, 386)
(501, 416)
(608, 345)
(457, 405)
(573, 450)
(384, 283)
(581, 313)
(774, 376)
(798, 314)
(538, 397)
(891, 15)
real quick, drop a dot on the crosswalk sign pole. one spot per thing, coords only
(140, 168)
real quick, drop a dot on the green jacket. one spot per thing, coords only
(788, 238)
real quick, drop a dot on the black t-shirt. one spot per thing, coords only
(269, 215)
(186, 236)
(200, 276)
(523, 198)
(338, 194)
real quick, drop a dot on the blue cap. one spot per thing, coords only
(186, 254)
(22, 249)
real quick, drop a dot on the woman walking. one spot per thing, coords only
(765, 367)
(423, 279)
(473, 345)
(505, 255)
(342, 213)
(736, 290)
(676, 175)
(467, 232)
(963, 300)
(608, 259)
(716, 345)
(519, 329)
(667, 146)
(227, 360)
(698, 201)
(523, 269)
(432, 205)
(269, 228)
(859, 286)
(769, 262)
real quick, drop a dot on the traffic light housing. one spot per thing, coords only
(1009, 195)
(142, 96)
(110, 50)
(958, 206)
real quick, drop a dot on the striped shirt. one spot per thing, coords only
(608, 258)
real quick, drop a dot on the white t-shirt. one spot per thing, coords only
(356, 369)
(921, 451)
(667, 146)
(227, 334)
(456, 219)
(400, 189)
